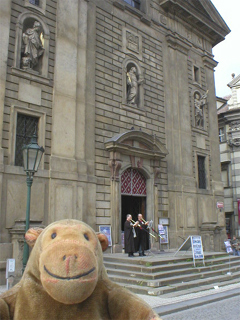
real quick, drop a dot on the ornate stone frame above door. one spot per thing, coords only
(135, 149)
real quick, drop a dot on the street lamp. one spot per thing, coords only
(32, 155)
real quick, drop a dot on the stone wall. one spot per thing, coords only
(92, 131)
(112, 115)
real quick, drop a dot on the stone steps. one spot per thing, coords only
(165, 271)
(165, 275)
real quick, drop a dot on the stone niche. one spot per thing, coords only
(32, 44)
(133, 95)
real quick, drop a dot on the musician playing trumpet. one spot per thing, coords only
(142, 239)
(129, 233)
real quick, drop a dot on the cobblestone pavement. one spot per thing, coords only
(221, 310)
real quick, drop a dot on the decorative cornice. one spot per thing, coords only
(212, 25)
(177, 43)
(209, 62)
(154, 149)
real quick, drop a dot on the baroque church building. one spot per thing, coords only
(121, 95)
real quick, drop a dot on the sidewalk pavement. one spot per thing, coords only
(167, 304)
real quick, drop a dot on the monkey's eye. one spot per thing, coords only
(53, 235)
(86, 237)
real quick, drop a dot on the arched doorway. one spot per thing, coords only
(141, 152)
(133, 194)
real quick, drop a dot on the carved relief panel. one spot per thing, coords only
(132, 43)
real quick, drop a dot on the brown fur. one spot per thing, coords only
(65, 279)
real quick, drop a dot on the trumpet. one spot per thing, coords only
(144, 221)
(143, 229)
(152, 229)
(133, 221)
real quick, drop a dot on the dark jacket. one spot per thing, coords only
(142, 236)
(128, 237)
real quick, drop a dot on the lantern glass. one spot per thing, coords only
(32, 155)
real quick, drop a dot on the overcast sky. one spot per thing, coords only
(227, 52)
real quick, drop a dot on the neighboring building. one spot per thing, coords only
(228, 110)
(122, 96)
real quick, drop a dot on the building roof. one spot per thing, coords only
(201, 14)
(235, 82)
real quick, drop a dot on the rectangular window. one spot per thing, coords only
(35, 2)
(196, 74)
(201, 173)
(134, 3)
(26, 126)
(225, 175)
(221, 134)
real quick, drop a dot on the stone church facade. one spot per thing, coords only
(122, 97)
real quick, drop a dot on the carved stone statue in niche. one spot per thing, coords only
(199, 103)
(132, 86)
(32, 46)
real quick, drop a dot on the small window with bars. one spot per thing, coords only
(221, 134)
(201, 173)
(134, 3)
(35, 2)
(26, 127)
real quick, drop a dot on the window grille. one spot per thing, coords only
(133, 183)
(134, 3)
(26, 126)
(201, 173)
(35, 2)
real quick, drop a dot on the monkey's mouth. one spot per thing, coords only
(69, 278)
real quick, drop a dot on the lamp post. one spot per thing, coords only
(32, 155)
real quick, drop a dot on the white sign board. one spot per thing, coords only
(163, 232)
(228, 246)
(10, 269)
(194, 242)
(197, 248)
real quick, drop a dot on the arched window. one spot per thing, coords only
(39, 5)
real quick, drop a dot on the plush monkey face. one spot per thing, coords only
(69, 260)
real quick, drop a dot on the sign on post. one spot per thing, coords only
(107, 231)
(163, 231)
(10, 272)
